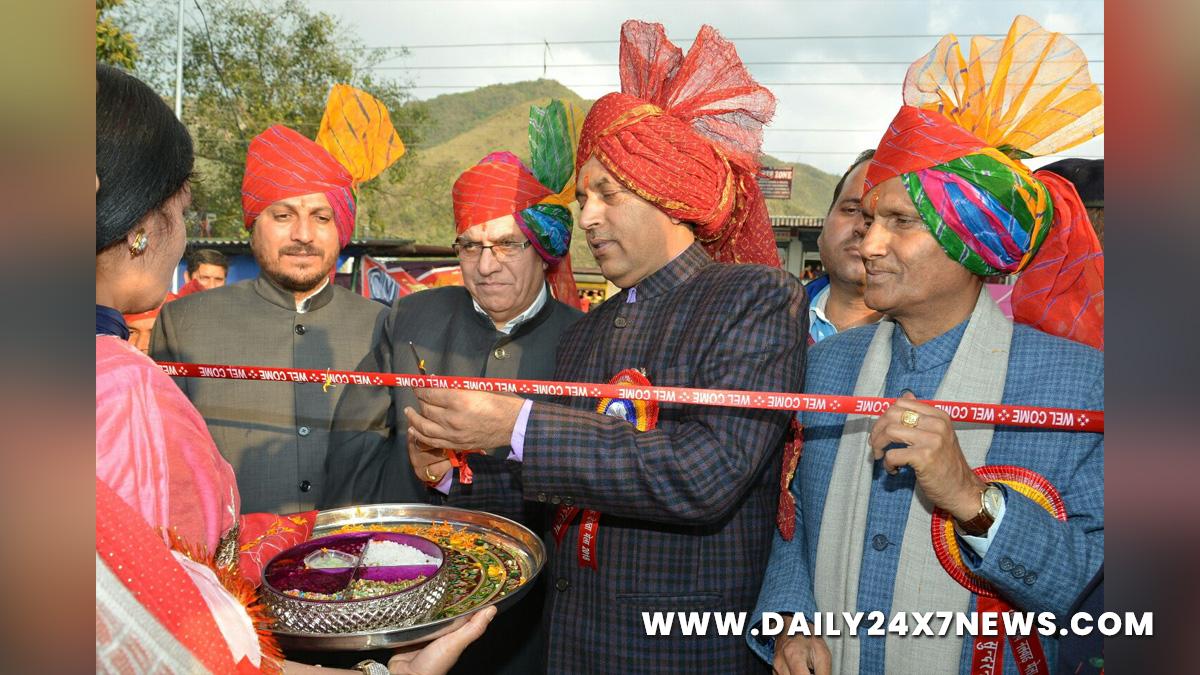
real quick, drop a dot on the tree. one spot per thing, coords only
(250, 65)
(113, 46)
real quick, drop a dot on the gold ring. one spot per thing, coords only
(429, 475)
(909, 419)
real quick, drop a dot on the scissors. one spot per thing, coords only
(458, 459)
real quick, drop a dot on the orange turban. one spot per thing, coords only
(356, 142)
(684, 134)
(957, 147)
(501, 185)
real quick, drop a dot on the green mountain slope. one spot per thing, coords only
(464, 127)
(453, 114)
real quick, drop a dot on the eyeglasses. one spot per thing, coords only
(505, 250)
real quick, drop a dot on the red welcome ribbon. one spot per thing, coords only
(1066, 419)
(988, 655)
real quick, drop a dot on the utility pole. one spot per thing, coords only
(179, 65)
(178, 101)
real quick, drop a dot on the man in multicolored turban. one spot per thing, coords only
(514, 234)
(299, 199)
(1017, 515)
(668, 508)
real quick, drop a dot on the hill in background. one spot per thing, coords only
(462, 128)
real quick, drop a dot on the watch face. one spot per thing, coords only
(993, 498)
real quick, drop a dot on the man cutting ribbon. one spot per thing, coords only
(947, 203)
(678, 516)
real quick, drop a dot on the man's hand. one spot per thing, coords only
(430, 464)
(933, 453)
(801, 655)
(463, 420)
(437, 657)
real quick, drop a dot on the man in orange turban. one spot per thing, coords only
(684, 134)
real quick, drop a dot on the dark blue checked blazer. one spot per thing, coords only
(688, 508)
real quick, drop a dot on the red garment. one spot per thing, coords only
(685, 133)
(137, 555)
(263, 535)
(190, 287)
(130, 318)
(1062, 290)
(281, 163)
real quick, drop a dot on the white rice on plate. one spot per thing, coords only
(385, 553)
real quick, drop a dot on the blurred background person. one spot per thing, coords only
(140, 326)
(206, 267)
(836, 297)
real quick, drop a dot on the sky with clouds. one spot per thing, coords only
(820, 124)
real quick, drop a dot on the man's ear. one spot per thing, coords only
(97, 183)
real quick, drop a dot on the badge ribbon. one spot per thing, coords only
(643, 415)
(988, 655)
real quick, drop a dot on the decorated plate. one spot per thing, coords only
(492, 561)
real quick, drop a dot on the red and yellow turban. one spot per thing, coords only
(684, 133)
(356, 142)
(957, 146)
(501, 185)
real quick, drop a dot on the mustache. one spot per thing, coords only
(300, 249)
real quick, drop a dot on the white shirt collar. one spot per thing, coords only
(818, 302)
(302, 305)
(538, 303)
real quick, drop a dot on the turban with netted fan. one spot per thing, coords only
(684, 133)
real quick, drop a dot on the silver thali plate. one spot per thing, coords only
(503, 543)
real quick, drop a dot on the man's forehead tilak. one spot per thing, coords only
(897, 202)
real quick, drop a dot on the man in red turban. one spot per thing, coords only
(506, 321)
(652, 509)
(299, 201)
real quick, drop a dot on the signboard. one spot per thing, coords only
(377, 282)
(775, 182)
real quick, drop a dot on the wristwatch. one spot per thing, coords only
(369, 667)
(993, 499)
